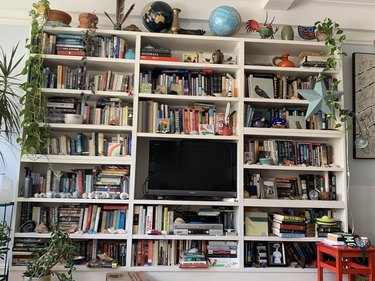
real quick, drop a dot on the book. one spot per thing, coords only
(333, 243)
(282, 217)
(160, 58)
(256, 224)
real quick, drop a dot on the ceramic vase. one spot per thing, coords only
(283, 61)
(287, 33)
(217, 57)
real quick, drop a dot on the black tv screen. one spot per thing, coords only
(189, 168)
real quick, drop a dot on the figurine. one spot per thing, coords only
(265, 31)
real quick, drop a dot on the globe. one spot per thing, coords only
(224, 21)
(157, 16)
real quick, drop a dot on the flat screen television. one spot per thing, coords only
(192, 168)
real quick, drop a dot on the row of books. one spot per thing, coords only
(287, 152)
(295, 118)
(65, 77)
(111, 179)
(95, 145)
(91, 218)
(281, 86)
(189, 82)
(115, 115)
(196, 119)
(75, 45)
(148, 218)
(289, 187)
(171, 252)
(288, 226)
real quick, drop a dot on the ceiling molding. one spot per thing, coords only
(282, 5)
(348, 2)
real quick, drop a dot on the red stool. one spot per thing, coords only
(345, 262)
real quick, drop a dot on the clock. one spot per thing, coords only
(313, 194)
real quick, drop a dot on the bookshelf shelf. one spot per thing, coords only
(187, 237)
(309, 204)
(279, 239)
(73, 201)
(72, 159)
(181, 136)
(293, 168)
(71, 93)
(250, 56)
(294, 133)
(89, 127)
(74, 236)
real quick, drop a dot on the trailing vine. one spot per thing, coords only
(33, 105)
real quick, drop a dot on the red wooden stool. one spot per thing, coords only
(345, 262)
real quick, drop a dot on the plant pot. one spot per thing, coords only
(57, 15)
(44, 278)
(320, 36)
(87, 20)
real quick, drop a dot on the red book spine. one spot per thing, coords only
(88, 222)
(158, 58)
(71, 53)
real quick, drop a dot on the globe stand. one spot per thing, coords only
(6, 211)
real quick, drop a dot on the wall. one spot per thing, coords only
(362, 177)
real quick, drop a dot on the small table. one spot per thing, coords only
(345, 262)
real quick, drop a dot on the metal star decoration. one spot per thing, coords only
(319, 98)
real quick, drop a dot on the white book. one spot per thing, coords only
(96, 226)
(149, 219)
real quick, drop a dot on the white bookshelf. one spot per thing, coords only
(243, 50)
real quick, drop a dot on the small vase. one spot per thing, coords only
(176, 22)
(217, 56)
(117, 26)
(284, 61)
(130, 55)
(287, 33)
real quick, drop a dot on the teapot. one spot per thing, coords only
(285, 62)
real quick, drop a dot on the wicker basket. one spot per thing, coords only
(57, 15)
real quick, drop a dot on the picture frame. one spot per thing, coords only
(276, 254)
(262, 87)
(190, 57)
(268, 188)
(363, 105)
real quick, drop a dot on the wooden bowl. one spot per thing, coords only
(57, 15)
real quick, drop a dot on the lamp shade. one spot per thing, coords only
(6, 189)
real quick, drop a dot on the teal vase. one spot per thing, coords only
(130, 55)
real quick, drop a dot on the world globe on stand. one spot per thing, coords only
(157, 16)
(224, 21)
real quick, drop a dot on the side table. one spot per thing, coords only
(345, 261)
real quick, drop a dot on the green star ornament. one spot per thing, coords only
(318, 98)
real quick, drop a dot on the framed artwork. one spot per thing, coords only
(261, 87)
(268, 188)
(364, 105)
(276, 254)
(190, 57)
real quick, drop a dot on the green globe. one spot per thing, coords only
(157, 16)
(224, 21)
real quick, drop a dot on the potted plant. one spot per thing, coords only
(33, 106)
(330, 32)
(10, 89)
(60, 247)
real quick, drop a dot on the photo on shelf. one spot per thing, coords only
(268, 188)
(190, 57)
(276, 254)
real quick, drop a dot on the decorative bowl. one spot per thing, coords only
(73, 119)
(306, 32)
(57, 15)
(278, 123)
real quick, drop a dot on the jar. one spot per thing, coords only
(285, 62)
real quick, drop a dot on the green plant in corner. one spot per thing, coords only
(60, 248)
(34, 134)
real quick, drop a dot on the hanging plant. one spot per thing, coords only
(34, 134)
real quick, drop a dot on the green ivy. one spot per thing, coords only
(35, 136)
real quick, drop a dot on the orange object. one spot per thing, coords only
(344, 261)
(285, 62)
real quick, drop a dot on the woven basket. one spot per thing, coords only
(57, 15)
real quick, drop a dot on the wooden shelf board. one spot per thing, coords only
(308, 204)
(89, 127)
(73, 201)
(293, 168)
(76, 159)
(293, 133)
(182, 136)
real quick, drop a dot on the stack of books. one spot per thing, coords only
(192, 260)
(338, 238)
(313, 61)
(326, 226)
(157, 54)
(288, 226)
(70, 45)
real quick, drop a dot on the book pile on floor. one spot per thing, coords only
(288, 226)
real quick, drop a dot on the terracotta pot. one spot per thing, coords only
(87, 20)
(320, 36)
(57, 15)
